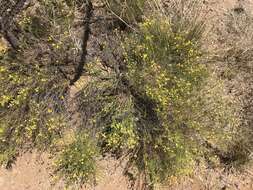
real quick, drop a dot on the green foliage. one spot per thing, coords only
(121, 133)
(169, 59)
(77, 161)
(107, 108)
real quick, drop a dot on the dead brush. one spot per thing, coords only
(233, 59)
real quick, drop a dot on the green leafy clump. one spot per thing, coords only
(121, 134)
(77, 161)
(168, 59)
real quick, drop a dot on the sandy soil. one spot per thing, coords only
(29, 172)
(32, 172)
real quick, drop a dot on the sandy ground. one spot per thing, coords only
(32, 170)
(29, 172)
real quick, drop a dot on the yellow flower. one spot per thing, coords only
(145, 56)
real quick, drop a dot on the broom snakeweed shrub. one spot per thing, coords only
(33, 85)
(160, 109)
(76, 163)
(165, 70)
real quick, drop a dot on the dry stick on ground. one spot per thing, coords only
(8, 13)
(86, 35)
